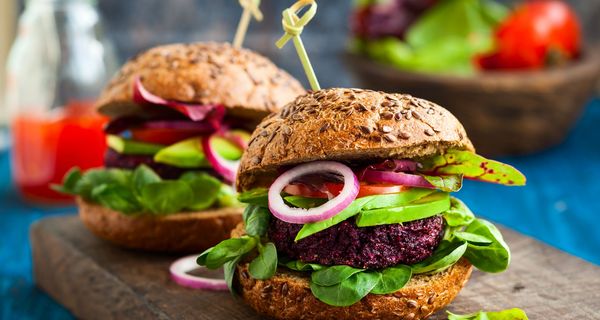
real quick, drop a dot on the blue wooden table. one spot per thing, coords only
(560, 206)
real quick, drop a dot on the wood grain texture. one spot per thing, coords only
(98, 281)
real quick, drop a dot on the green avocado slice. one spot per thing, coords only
(189, 154)
(127, 146)
(423, 208)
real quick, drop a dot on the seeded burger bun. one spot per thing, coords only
(246, 83)
(353, 126)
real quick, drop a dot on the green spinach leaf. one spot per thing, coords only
(333, 275)
(97, 177)
(458, 214)
(257, 220)
(226, 251)
(494, 257)
(392, 279)
(447, 254)
(229, 271)
(69, 182)
(205, 189)
(347, 292)
(167, 196)
(257, 196)
(510, 314)
(472, 238)
(116, 197)
(265, 264)
(298, 265)
(142, 176)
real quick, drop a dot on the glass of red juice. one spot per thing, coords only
(46, 146)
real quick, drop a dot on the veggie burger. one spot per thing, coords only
(349, 210)
(180, 117)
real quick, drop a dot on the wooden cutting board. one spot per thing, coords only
(96, 280)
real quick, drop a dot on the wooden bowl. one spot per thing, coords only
(504, 113)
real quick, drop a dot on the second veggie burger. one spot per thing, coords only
(350, 214)
(180, 120)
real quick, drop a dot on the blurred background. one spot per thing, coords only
(537, 111)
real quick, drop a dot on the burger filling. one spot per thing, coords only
(357, 228)
(171, 157)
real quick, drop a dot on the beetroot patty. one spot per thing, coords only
(370, 247)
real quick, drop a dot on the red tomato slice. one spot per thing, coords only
(162, 136)
(335, 189)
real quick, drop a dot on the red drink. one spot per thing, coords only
(46, 146)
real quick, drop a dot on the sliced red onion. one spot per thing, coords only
(195, 112)
(397, 178)
(329, 209)
(179, 273)
(225, 168)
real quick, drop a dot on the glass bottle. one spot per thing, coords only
(56, 68)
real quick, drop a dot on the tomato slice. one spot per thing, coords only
(298, 189)
(162, 136)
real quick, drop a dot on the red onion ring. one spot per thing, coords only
(179, 273)
(397, 178)
(196, 112)
(329, 209)
(225, 168)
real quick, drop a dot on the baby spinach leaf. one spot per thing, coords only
(494, 257)
(257, 196)
(69, 182)
(257, 220)
(392, 279)
(429, 206)
(333, 275)
(229, 271)
(142, 176)
(312, 228)
(227, 250)
(347, 292)
(205, 189)
(447, 254)
(201, 260)
(397, 199)
(298, 265)
(96, 177)
(473, 166)
(510, 314)
(458, 214)
(167, 196)
(446, 183)
(265, 264)
(304, 202)
(116, 197)
(472, 238)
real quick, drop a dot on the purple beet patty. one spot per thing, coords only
(370, 247)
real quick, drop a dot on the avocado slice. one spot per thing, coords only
(189, 154)
(426, 207)
(127, 146)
